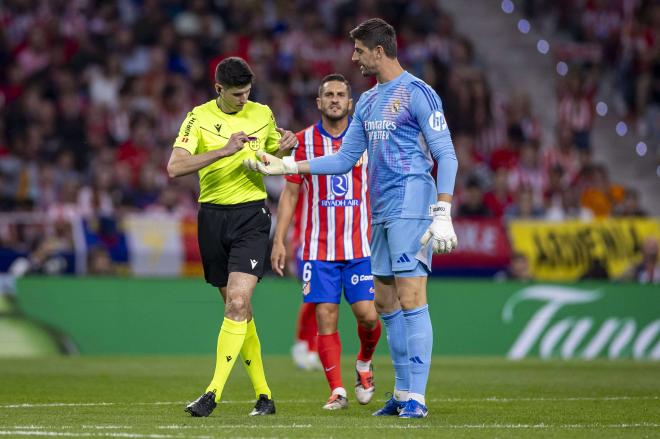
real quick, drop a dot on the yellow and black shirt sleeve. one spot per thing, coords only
(189, 134)
(273, 140)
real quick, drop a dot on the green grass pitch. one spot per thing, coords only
(136, 397)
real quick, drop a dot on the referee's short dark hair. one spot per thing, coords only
(376, 32)
(335, 77)
(233, 72)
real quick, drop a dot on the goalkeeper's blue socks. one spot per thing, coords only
(420, 344)
(397, 342)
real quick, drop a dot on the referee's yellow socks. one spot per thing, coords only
(230, 340)
(251, 355)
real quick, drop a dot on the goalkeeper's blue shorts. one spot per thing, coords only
(395, 248)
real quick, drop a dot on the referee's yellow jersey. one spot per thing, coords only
(226, 181)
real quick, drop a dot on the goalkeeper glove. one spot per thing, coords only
(268, 164)
(441, 229)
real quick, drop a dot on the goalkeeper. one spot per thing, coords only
(401, 125)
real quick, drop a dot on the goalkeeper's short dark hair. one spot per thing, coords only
(376, 32)
(233, 72)
(335, 77)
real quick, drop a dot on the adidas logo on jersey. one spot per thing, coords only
(403, 259)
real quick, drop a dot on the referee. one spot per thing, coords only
(233, 220)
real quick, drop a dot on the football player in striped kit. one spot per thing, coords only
(336, 254)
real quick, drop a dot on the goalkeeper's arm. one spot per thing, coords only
(269, 164)
(352, 148)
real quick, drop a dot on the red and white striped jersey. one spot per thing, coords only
(576, 113)
(336, 217)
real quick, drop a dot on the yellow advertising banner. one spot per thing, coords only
(571, 250)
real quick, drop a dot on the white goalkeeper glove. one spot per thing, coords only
(268, 164)
(441, 229)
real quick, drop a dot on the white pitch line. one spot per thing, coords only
(542, 426)
(106, 427)
(494, 399)
(240, 426)
(550, 426)
(541, 399)
(88, 434)
(57, 404)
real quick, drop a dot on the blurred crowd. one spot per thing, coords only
(92, 94)
(609, 41)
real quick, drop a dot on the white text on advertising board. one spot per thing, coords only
(578, 336)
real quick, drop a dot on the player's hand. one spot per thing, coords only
(236, 142)
(278, 258)
(441, 229)
(287, 141)
(268, 164)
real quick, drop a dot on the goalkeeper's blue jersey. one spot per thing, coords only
(403, 128)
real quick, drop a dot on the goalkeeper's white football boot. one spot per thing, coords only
(336, 402)
(364, 385)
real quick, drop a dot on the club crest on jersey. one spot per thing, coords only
(253, 144)
(396, 105)
(306, 288)
(339, 185)
(437, 121)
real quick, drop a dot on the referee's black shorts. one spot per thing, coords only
(233, 238)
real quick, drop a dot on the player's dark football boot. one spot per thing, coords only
(264, 406)
(202, 406)
(392, 407)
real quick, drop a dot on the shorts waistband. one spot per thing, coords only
(257, 203)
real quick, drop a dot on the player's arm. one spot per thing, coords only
(184, 159)
(285, 210)
(353, 145)
(430, 118)
(183, 162)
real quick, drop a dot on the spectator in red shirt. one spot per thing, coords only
(499, 197)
